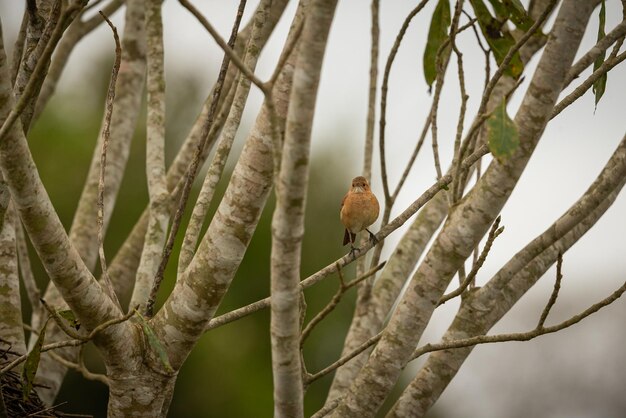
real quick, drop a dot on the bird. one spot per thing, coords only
(359, 209)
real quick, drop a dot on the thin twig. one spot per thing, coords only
(427, 125)
(41, 67)
(106, 133)
(343, 288)
(555, 291)
(328, 408)
(18, 48)
(384, 90)
(97, 377)
(586, 85)
(290, 46)
(227, 47)
(520, 336)
(603, 44)
(343, 360)
(481, 115)
(464, 98)
(61, 323)
(371, 100)
(493, 234)
(73, 342)
(195, 163)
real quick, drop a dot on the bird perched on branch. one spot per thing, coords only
(359, 209)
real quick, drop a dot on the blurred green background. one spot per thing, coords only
(229, 372)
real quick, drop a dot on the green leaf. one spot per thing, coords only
(437, 34)
(502, 13)
(69, 316)
(517, 14)
(499, 42)
(600, 84)
(502, 134)
(155, 343)
(32, 363)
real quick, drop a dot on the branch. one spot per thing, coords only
(493, 234)
(343, 288)
(74, 342)
(327, 408)
(587, 84)
(226, 47)
(10, 300)
(159, 197)
(520, 336)
(129, 88)
(108, 286)
(38, 73)
(346, 358)
(493, 82)
(222, 248)
(603, 44)
(288, 217)
(76, 31)
(368, 149)
(225, 143)
(26, 271)
(38, 36)
(60, 258)
(384, 90)
(124, 265)
(195, 164)
(80, 368)
(555, 292)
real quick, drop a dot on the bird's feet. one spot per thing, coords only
(373, 238)
(353, 251)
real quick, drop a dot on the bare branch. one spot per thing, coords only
(227, 137)
(493, 234)
(74, 342)
(327, 408)
(26, 271)
(38, 73)
(10, 306)
(343, 288)
(603, 44)
(159, 197)
(226, 47)
(384, 90)
(288, 218)
(192, 171)
(80, 368)
(368, 149)
(586, 85)
(108, 286)
(520, 336)
(555, 292)
(346, 358)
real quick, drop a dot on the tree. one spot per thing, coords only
(144, 343)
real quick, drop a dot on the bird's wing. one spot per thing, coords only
(344, 199)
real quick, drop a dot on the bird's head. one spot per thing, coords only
(360, 185)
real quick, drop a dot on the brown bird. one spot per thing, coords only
(359, 209)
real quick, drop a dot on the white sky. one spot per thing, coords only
(570, 155)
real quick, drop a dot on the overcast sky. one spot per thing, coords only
(574, 148)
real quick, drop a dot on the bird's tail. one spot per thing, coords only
(348, 237)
